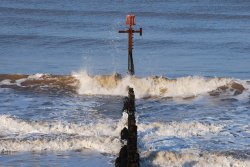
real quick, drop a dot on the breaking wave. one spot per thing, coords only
(193, 159)
(25, 135)
(178, 129)
(116, 84)
(40, 83)
(103, 136)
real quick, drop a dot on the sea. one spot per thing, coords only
(63, 79)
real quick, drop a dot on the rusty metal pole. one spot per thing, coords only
(131, 69)
(130, 21)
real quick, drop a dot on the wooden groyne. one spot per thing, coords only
(128, 155)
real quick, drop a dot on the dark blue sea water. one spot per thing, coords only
(207, 38)
(198, 118)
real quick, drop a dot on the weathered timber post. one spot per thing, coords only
(128, 156)
(133, 156)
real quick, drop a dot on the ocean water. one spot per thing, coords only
(63, 78)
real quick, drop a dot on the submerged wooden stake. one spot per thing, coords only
(128, 155)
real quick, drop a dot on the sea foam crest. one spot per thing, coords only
(147, 87)
(103, 136)
(35, 136)
(194, 159)
(179, 129)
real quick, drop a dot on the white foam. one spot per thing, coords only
(194, 159)
(150, 86)
(24, 127)
(6, 82)
(19, 82)
(36, 76)
(103, 137)
(158, 136)
(179, 129)
(30, 77)
(104, 144)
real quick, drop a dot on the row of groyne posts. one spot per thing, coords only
(128, 155)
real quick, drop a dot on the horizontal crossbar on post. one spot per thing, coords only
(133, 31)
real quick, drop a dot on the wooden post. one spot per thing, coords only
(128, 156)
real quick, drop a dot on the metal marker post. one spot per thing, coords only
(130, 21)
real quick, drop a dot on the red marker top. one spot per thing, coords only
(130, 20)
